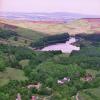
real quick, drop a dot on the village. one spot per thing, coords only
(87, 78)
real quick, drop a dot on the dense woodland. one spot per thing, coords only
(5, 34)
(49, 40)
(47, 68)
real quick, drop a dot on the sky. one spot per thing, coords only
(89, 7)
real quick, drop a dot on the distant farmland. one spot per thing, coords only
(86, 25)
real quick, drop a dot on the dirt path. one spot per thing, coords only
(77, 96)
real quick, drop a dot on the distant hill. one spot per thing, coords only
(54, 16)
(84, 25)
(7, 26)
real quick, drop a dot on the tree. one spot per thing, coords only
(4, 96)
(2, 63)
(15, 38)
(56, 96)
(25, 41)
(49, 82)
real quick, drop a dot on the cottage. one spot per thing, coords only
(60, 82)
(64, 80)
(88, 77)
(37, 86)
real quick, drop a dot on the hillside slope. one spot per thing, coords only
(86, 25)
(23, 32)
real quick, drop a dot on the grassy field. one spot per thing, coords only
(95, 91)
(84, 96)
(20, 41)
(30, 34)
(90, 94)
(11, 74)
(24, 63)
(25, 34)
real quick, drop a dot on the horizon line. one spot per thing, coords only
(51, 12)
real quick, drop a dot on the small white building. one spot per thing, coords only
(64, 80)
(37, 86)
(60, 82)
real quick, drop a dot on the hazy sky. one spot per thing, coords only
(91, 7)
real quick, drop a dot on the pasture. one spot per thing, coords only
(11, 74)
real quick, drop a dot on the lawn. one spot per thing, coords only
(11, 74)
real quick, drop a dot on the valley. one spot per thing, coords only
(83, 25)
(65, 74)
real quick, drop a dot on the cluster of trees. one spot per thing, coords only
(49, 40)
(87, 57)
(5, 34)
(3, 62)
(10, 91)
(40, 69)
(90, 37)
(16, 54)
(3, 59)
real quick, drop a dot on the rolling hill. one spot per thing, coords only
(23, 32)
(84, 25)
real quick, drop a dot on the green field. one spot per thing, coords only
(90, 94)
(24, 63)
(20, 41)
(26, 37)
(11, 74)
(29, 34)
